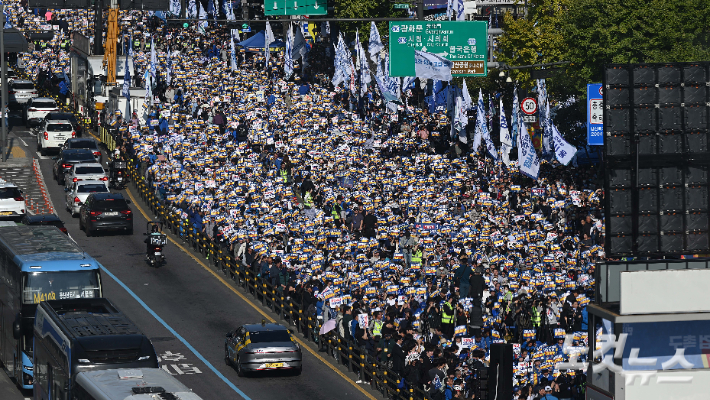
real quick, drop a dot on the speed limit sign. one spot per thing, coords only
(529, 106)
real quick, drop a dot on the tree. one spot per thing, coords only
(365, 9)
(592, 33)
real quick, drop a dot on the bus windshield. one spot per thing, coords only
(42, 286)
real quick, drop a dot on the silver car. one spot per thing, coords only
(262, 347)
(84, 172)
(21, 91)
(80, 191)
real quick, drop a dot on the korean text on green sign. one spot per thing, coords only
(463, 42)
(295, 7)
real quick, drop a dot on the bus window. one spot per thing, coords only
(42, 286)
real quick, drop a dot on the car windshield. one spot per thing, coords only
(109, 204)
(23, 85)
(54, 222)
(42, 286)
(44, 104)
(68, 117)
(58, 127)
(76, 156)
(89, 170)
(82, 144)
(93, 188)
(9, 193)
(269, 336)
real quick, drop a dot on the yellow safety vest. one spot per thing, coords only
(417, 257)
(336, 216)
(284, 175)
(447, 318)
(307, 200)
(377, 329)
(535, 317)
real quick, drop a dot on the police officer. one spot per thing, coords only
(447, 318)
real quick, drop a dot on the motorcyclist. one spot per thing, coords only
(154, 231)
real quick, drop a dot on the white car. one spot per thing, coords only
(79, 191)
(51, 135)
(36, 109)
(12, 201)
(21, 91)
(84, 172)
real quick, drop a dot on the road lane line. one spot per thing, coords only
(249, 302)
(177, 335)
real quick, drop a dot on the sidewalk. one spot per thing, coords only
(8, 390)
(24, 171)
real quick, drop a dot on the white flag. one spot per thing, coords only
(459, 8)
(375, 45)
(362, 67)
(505, 141)
(467, 101)
(431, 66)
(299, 48)
(528, 161)
(233, 55)
(563, 150)
(480, 122)
(268, 39)
(288, 62)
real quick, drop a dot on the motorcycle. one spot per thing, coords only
(154, 244)
(118, 175)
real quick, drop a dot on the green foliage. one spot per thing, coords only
(592, 33)
(365, 9)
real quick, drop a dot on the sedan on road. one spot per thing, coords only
(66, 160)
(36, 109)
(21, 91)
(262, 347)
(44, 219)
(79, 192)
(105, 212)
(84, 143)
(84, 172)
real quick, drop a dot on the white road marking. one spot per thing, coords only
(23, 142)
(41, 157)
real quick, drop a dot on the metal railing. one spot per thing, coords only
(356, 359)
(369, 368)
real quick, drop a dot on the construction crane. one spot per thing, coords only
(110, 45)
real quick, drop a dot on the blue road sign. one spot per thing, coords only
(595, 115)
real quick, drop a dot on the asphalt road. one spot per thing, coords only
(197, 307)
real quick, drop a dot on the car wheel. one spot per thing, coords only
(88, 230)
(226, 357)
(81, 224)
(298, 371)
(129, 232)
(240, 371)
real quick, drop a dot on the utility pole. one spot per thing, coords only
(420, 10)
(3, 133)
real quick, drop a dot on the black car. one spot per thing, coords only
(67, 158)
(66, 117)
(84, 143)
(106, 212)
(44, 219)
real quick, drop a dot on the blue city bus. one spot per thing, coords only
(37, 263)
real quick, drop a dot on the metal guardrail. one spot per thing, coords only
(368, 368)
(357, 359)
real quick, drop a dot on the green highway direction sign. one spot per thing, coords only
(295, 7)
(463, 42)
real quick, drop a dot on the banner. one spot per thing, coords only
(515, 117)
(544, 112)
(233, 55)
(363, 69)
(563, 150)
(459, 8)
(431, 66)
(288, 57)
(505, 141)
(375, 46)
(528, 161)
(268, 39)
(192, 9)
